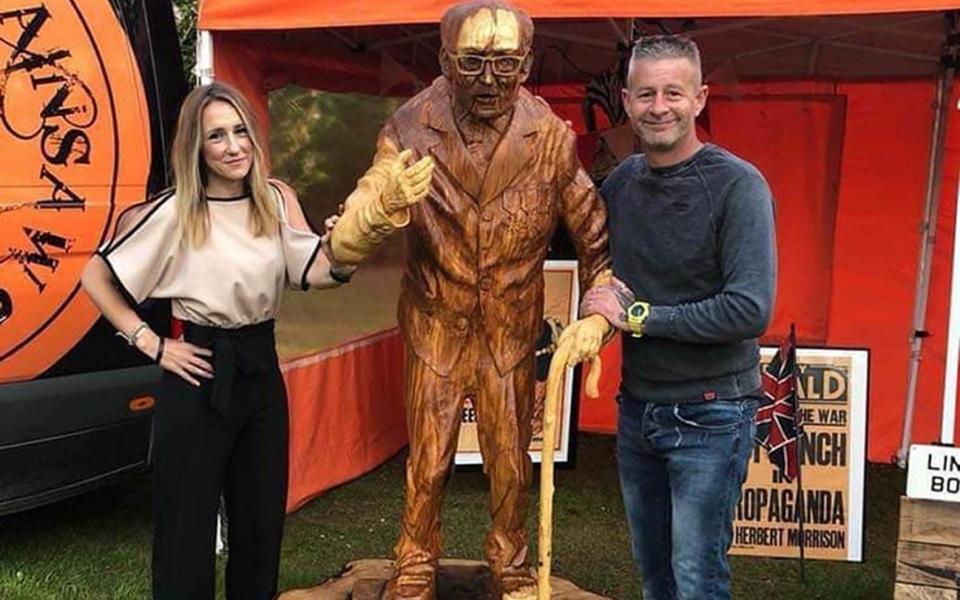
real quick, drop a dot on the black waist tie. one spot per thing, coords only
(249, 350)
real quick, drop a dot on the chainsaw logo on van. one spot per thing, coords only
(71, 105)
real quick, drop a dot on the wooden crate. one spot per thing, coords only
(928, 552)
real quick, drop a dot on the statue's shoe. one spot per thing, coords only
(418, 582)
(517, 584)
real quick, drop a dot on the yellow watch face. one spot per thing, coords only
(638, 311)
(636, 316)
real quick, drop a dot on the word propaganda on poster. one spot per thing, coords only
(832, 389)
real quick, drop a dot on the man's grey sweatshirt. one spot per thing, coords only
(697, 241)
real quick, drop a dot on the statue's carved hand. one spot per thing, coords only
(406, 185)
(582, 339)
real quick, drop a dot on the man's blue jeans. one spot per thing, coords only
(681, 470)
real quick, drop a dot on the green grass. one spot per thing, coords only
(98, 545)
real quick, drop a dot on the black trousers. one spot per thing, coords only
(230, 436)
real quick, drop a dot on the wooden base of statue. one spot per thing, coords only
(928, 551)
(456, 580)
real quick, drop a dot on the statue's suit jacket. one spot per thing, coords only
(476, 244)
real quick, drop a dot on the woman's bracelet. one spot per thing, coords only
(342, 274)
(159, 350)
(132, 338)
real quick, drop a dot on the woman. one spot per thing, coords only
(220, 246)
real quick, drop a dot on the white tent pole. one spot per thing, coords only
(204, 67)
(924, 262)
(948, 421)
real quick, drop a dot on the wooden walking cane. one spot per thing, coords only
(558, 368)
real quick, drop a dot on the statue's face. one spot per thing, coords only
(487, 66)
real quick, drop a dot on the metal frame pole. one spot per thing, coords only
(928, 227)
(204, 66)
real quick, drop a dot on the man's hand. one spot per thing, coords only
(407, 185)
(611, 301)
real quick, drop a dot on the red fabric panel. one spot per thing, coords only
(324, 63)
(874, 273)
(346, 413)
(600, 414)
(795, 141)
(296, 14)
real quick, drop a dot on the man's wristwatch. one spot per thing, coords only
(637, 314)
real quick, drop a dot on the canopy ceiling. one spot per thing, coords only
(399, 59)
(296, 14)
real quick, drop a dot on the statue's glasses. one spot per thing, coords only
(471, 65)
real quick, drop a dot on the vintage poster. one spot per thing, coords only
(561, 297)
(832, 390)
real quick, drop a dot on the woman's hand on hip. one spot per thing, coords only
(182, 358)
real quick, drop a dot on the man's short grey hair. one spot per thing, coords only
(666, 46)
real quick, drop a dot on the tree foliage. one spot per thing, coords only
(322, 143)
(185, 12)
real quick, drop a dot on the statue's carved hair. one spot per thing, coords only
(455, 16)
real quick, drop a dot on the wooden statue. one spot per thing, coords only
(497, 170)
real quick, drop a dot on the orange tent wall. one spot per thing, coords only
(868, 300)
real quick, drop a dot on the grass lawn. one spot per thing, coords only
(98, 545)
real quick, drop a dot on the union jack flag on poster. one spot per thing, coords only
(777, 426)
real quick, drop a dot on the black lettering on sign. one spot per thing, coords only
(943, 463)
(752, 505)
(61, 196)
(71, 101)
(832, 416)
(821, 382)
(814, 538)
(40, 240)
(951, 485)
(31, 28)
(823, 507)
(748, 535)
(64, 145)
(823, 449)
(6, 305)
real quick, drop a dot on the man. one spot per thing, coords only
(693, 248)
(471, 303)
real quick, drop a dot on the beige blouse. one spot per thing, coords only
(232, 279)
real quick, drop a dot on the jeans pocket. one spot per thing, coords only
(710, 416)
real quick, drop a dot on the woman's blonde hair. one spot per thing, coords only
(190, 172)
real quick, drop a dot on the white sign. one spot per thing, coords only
(933, 473)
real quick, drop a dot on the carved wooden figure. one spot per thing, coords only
(498, 171)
